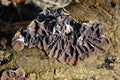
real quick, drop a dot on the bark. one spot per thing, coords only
(38, 66)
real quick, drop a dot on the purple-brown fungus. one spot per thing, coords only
(19, 74)
(62, 37)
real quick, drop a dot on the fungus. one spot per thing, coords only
(63, 38)
(19, 74)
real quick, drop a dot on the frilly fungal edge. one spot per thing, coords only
(62, 37)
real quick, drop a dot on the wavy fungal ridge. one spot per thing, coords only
(18, 74)
(62, 37)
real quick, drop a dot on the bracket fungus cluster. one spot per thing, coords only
(19, 74)
(62, 37)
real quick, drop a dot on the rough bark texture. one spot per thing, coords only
(39, 67)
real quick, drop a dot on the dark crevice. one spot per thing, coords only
(112, 4)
